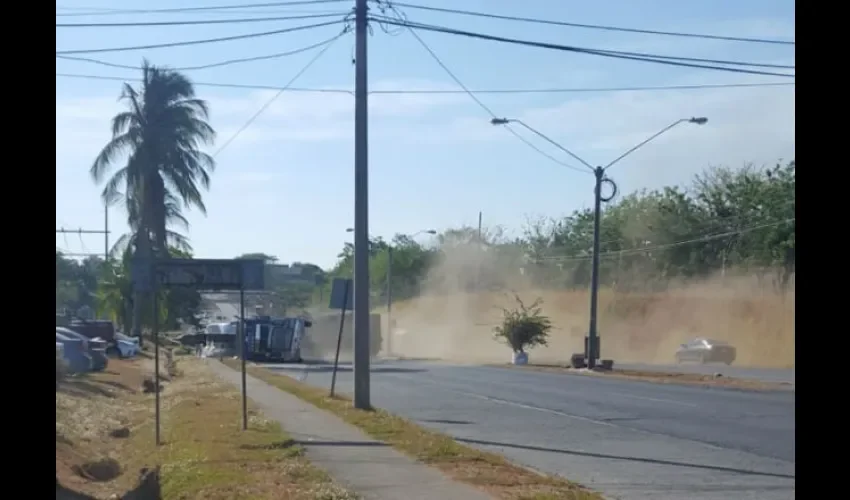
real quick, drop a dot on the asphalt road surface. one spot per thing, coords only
(626, 439)
(760, 374)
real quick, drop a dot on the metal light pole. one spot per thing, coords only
(592, 345)
(361, 209)
(389, 284)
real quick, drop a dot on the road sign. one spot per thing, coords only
(202, 274)
(341, 294)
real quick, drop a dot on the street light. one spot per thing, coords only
(591, 349)
(389, 282)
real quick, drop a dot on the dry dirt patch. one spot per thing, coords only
(486, 471)
(105, 439)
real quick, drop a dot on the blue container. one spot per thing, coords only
(78, 360)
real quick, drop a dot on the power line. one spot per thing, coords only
(199, 22)
(268, 103)
(639, 250)
(634, 56)
(199, 42)
(714, 224)
(565, 90)
(483, 106)
(291, 3)
(589, 89)
(589, 26)
(62, 230)
(602, 52)
(211, 65)
(98, 11)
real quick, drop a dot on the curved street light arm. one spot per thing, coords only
(698, 121)
(503, 121)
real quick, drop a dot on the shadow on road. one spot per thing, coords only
(341, 369)
(356, 444)
(630, 459)
(446, 421)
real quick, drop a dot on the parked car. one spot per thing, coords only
(76, 357)
(704, 350)
(125, 346)
(95, 328)
(95, 348)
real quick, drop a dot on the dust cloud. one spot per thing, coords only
(450, 320)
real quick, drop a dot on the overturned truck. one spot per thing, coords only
(322, 339)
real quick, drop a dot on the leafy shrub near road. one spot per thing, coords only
(523, 327)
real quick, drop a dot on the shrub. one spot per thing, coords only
(524, 327)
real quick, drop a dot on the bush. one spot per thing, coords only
(524, 327)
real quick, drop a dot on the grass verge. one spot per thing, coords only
(105, 437)
(486, 471)
(660, 377)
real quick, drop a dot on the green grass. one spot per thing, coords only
(487, 471)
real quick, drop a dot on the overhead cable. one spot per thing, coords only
(112, 12)
(227, 62)
(588, 26)
(200, 21)
(200, 42)
(666, 60)
(441, 91)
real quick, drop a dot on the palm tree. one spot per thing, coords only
(157, 140)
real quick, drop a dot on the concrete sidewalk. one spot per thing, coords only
(370, 468)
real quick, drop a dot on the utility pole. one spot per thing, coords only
(480, 250)
(591, 349)
(105, 232)
(592, 334)
(361, 210)
(390, 299)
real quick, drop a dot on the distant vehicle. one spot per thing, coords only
(97, 328)
(277, 339)
(75, 354)
(126, 347)
(704, 350)
(95, 348)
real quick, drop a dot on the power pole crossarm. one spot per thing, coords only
(81, 231)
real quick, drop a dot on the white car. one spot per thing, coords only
(127, 346)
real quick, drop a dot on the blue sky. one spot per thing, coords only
(285, 185)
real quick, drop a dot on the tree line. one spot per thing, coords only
(727, 220)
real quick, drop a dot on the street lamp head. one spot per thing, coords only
(499, 121)
(431, 231)
(349, 230)
(700, 120)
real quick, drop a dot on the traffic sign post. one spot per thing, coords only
(340, 299)
(213, 275)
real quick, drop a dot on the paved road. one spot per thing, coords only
(761, 374)
(627, 439)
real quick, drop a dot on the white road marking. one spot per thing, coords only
(658, 400)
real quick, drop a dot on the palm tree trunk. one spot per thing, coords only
(143, 249)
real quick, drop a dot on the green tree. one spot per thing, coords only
(156, 140)
(76, 282)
